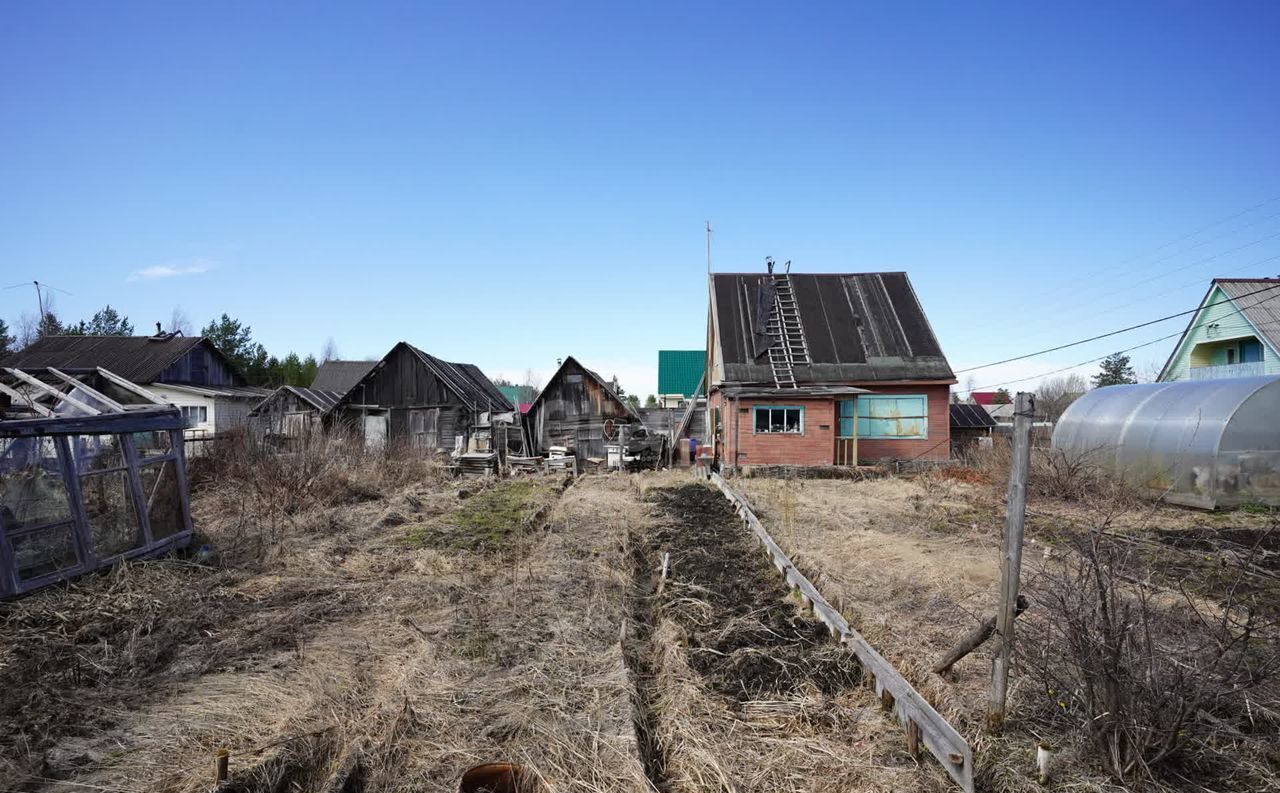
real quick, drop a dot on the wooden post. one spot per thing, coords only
(222, 759)
(1011, 555)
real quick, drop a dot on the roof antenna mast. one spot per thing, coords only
(40, 300)
(708, 247)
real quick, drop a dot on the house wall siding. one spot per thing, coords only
(935, 448)
(573, 413)
(200, 366)
(816, 446)
(1231, 325)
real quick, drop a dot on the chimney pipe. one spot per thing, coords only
(159, 330)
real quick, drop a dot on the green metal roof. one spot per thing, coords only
(680, 370)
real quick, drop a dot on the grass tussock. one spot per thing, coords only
(489, 520)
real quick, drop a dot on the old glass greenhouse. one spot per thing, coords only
(1202, 443)
(92, 471)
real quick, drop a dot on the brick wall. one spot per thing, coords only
(816, 446)
(936, 447)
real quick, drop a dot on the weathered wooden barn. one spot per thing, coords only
(415, 399)
(578, 410)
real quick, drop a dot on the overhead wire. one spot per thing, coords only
(1127, 349)
(1114, 332)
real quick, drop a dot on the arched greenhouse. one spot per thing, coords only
(1203, 443)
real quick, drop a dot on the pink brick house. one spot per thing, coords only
(823, 369)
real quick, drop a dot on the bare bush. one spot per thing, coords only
(1155, 678)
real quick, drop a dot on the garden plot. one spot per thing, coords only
(739, 688)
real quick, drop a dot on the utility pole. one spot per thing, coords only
(1011, 555)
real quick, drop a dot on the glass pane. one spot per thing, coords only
(846, 427)
(762, 419)
(164, 504)
(151, 444)
(45, 551)
(96, 453)
(31, 487)
(846, 408)
(791, 417)
(108, 508)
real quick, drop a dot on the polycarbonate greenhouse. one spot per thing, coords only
(1203, 443)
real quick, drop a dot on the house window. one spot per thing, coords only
(783, 420)
(893, 416)
(847, 415)
(195, 414)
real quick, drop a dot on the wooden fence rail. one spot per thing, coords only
(923, 724)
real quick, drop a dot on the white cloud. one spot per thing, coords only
(172, 270)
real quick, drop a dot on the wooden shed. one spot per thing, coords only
(578, 410)
(293, 412)
(416, 399)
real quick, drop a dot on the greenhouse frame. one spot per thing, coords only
(1202, 443)
(87, 479)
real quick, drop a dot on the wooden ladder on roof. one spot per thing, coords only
(789, 347)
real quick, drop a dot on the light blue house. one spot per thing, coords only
(1236, 333)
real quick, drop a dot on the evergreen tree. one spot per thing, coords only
(309, 368)
(232, 339)
(49, 326)
(1115, 370)
(8, 343)
(651, 401)
(1002, 397)
(291, 370)
(109, 322)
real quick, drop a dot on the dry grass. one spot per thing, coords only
(318, 630)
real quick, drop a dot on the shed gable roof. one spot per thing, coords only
(463, 379)
(572, 363)
(858, 327)
(138, 359)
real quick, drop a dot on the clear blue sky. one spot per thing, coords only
(510, 183)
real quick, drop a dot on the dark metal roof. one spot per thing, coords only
(493, 394)
(859, 327)
(970, 417)
(466, 382)
(341, 376)
(138, 359)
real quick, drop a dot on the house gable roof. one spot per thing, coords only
(680, 371)
(858, 327)
(340, 376)
(138, 359)
(1256, 299)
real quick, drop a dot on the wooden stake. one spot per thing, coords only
(1011, 556)
(223, 759)
(1043, 756)
(913, 738)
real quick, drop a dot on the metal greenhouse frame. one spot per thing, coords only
(86, 479)
(1201, 443)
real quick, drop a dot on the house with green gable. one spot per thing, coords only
(1235, 333)
(680, 376)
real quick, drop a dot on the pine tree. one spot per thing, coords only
(1002, 397)
(8, 343)
(651, 401)
(1115, 370)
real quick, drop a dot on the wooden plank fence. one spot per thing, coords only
(923, 724)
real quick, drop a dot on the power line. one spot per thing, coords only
(1128, 349)
(1078, 365)
(1113, 333)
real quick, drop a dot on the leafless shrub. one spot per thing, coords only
(1155, 679)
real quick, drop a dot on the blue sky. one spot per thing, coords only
(511, 183)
